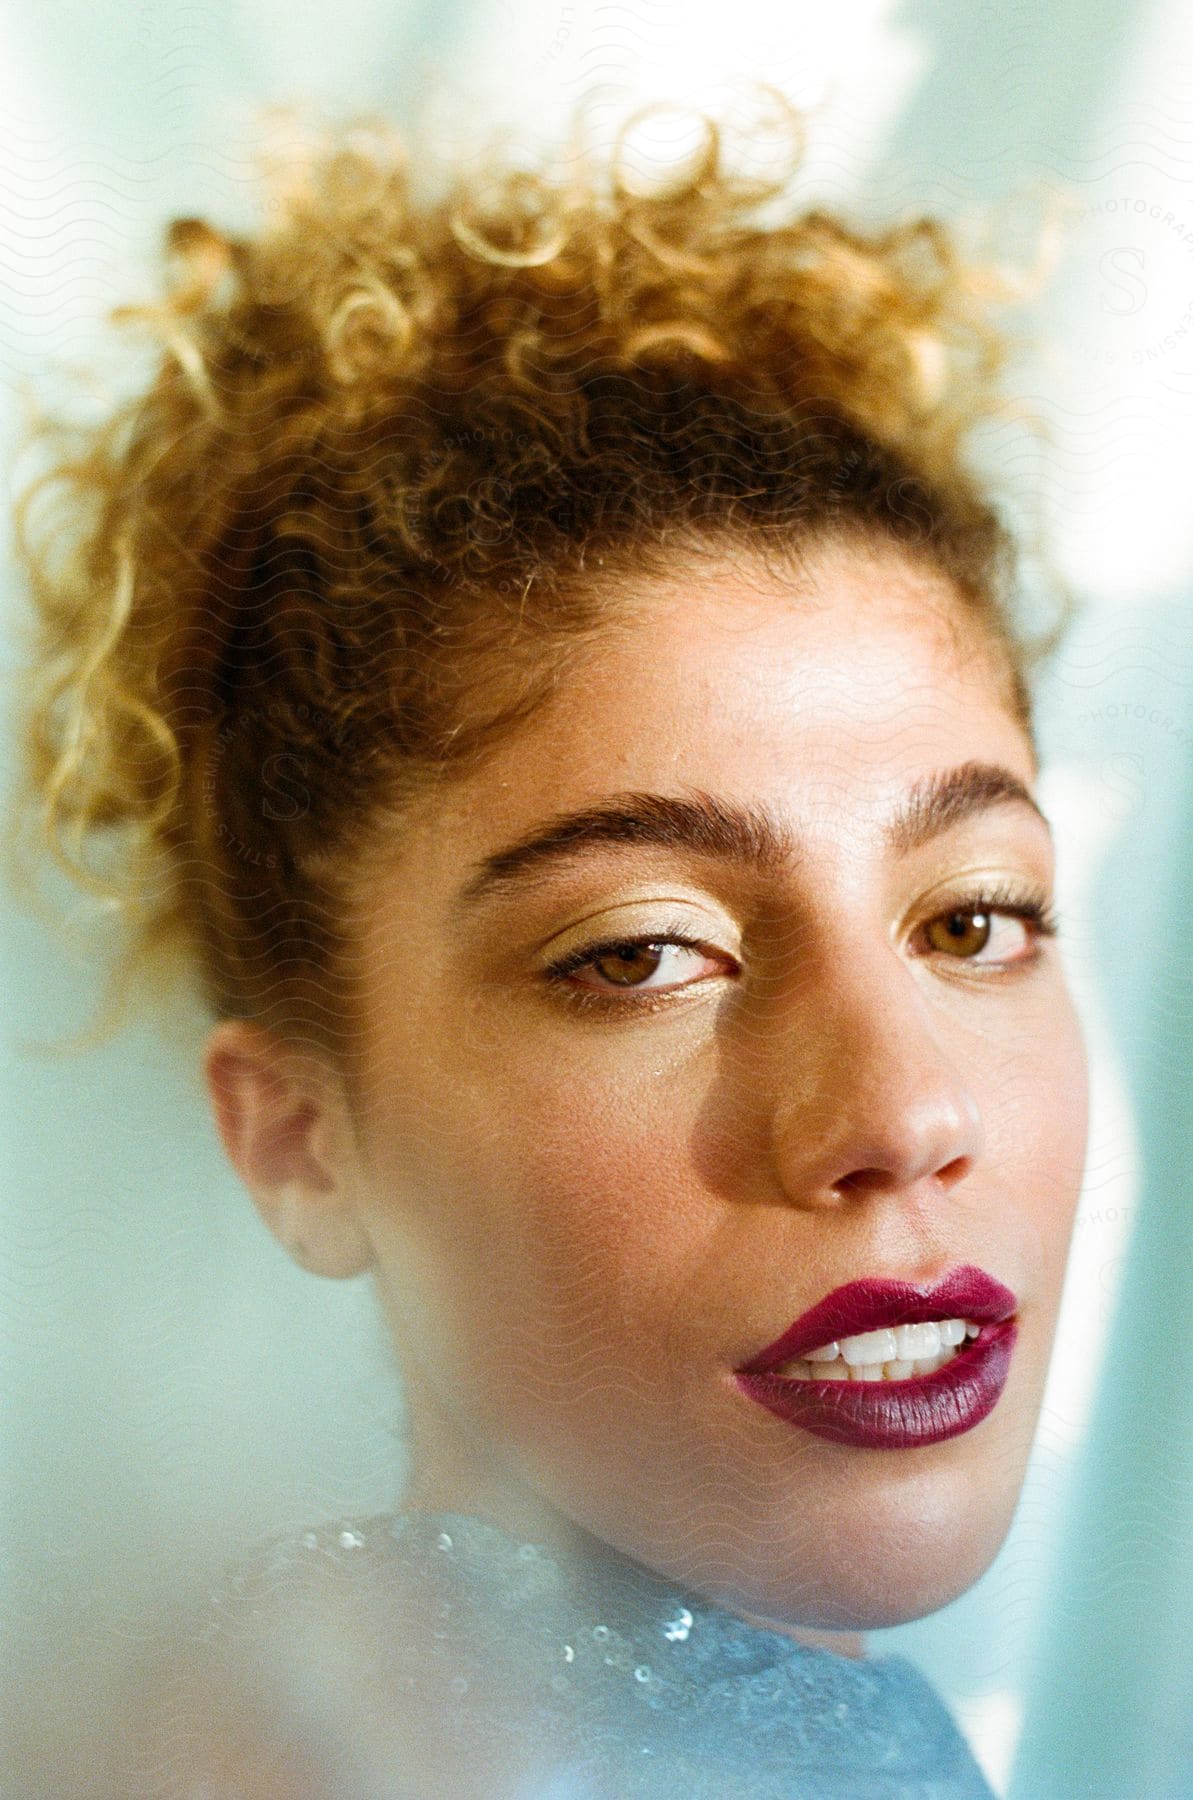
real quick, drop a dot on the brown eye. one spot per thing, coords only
(960, 933)
(628, 967)
(992, 931)
(634, 965)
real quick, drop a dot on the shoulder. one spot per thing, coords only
(314, 1670)
(351, 1568)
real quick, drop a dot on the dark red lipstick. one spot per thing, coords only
(887, 1414)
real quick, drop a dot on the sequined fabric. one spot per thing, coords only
(545, 1681)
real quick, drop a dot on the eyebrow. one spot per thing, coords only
(703, 824)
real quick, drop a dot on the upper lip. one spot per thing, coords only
(964, 1293)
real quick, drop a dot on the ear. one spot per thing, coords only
(285, 1127)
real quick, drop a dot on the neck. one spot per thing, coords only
(841, 1643)
(527, 1518)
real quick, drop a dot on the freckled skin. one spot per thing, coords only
(581, 1223)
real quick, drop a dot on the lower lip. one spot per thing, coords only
(896, 1415)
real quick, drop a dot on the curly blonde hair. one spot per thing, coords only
(392, 455)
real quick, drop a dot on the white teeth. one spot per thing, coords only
(917, 1341)
(899, 1343)
(897, 1353)
(869, 1347)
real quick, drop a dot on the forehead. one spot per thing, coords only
(824, 692)
(859, 658)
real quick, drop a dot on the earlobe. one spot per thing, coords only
(280, 1122)
(319, 1230)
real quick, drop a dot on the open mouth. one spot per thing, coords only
(892, 1353)
(885, 1364)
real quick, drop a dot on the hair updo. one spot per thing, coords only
(395, 454)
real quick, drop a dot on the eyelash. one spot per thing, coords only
(1002, 898)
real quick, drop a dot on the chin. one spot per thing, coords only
(897, 1597)
(893, 1559)
(904, 1595)
(894, 1578)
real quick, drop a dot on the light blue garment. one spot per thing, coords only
(600, 1680)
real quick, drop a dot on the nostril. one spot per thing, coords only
(865, 1181)
(878, 1181)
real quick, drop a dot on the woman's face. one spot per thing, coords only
(596, 1184)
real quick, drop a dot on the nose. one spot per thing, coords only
(872, 1095)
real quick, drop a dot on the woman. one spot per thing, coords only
(556, 678)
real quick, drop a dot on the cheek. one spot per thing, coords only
(1037, 1115)
(609, 1208)
(534, 1212)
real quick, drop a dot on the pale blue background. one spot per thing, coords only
(172, 1385)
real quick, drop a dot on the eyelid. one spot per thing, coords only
(642, 919)
(1001, 896)
(587, 953)
(1019, 895)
